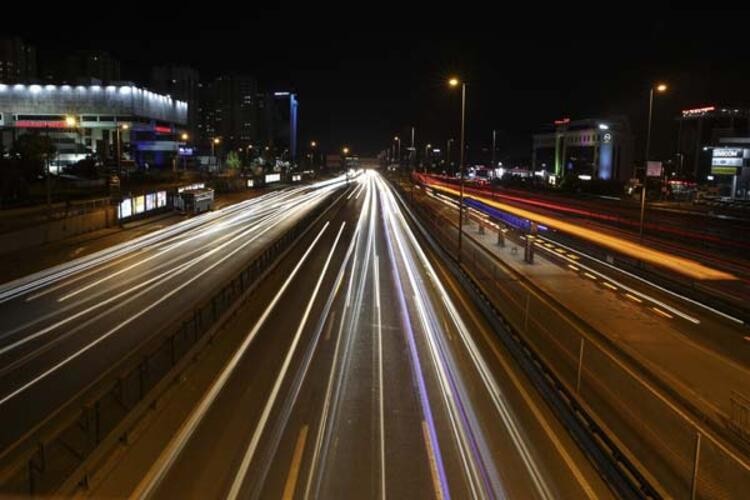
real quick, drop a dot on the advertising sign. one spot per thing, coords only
(653, 169)
(161, 199)
(272, 178)
(125, 209)
(150, 201)
(723, 170)
(139, 204)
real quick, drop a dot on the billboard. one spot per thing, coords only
(653, 169)
(272, 178)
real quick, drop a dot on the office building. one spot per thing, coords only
(596, 148)
(83, 120)
(18, 62)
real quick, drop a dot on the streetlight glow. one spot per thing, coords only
(313, 144)
(454, 82)
(345, 150)
(184, 137)
(70, 121)
(662, 87)
(217, 140)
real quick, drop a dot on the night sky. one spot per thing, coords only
(364, 74)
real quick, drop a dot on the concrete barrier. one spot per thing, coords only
(56, 230)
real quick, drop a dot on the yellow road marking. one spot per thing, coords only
(291, 480)
(574, 268)
(610, 285)
(633, 298)
(433, 464)
(665, 314)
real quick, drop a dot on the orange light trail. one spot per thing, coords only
(658, 258)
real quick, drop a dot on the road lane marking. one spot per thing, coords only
(589, 275)
(381, 389)
(239, 478)
(633, 298)
(331, 321)
(574, 268)
(663, 313)
(433, 463)
(291, 480)
(156, 474)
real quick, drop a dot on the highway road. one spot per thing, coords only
(63, 327)
(363, 371)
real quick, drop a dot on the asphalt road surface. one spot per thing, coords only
(364, 372)
(63, 327)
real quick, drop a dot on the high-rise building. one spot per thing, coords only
(227, 110)
(17, 61)
(87, 65)
(183, 83)
(278, 112)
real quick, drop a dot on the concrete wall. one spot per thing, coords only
(57, 229)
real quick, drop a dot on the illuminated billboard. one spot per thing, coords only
(139, 204)
(161, 199)
(125, 209)
(272, 178)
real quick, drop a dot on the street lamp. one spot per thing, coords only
(345, 150)
(398, 150)
(455, 82)
(122, 127)
(660, 88)
(70, 121)
(426, 150)
(214, 142)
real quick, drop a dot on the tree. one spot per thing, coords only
(32, 151)
(233, 160)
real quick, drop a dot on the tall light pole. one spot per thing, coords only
(214, 142)
(313, 145)
(426, 150)
(660, 88)
(120, 128)
(455, 82)
(448, 154)
(184, 136)
(398, 150)
(494, 147)
(412, 149)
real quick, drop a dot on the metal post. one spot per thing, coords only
(461, 170)
(645, 165)
(118, 149)
(696, 459)
(580, 366)
(500, 237)
(494, 137)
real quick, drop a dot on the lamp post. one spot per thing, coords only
(313, 145)
(398, 150)
(426, 151)
(455, 82)
(494, 147)
(448, 154)
(184, 136)
(214, 142)
(660, 88)
(120, 128)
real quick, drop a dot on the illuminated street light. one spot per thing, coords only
(345, 150)
(184, 137)
(313, 144)
(70, 121)
(660, 88)
(455, 82)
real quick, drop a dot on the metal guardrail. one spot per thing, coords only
(57, 454)
(673, 450)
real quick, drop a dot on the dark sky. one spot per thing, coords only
(365, 72)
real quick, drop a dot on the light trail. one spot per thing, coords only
(680, 265)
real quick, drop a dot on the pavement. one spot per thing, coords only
(62, 327)
(358, 369)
